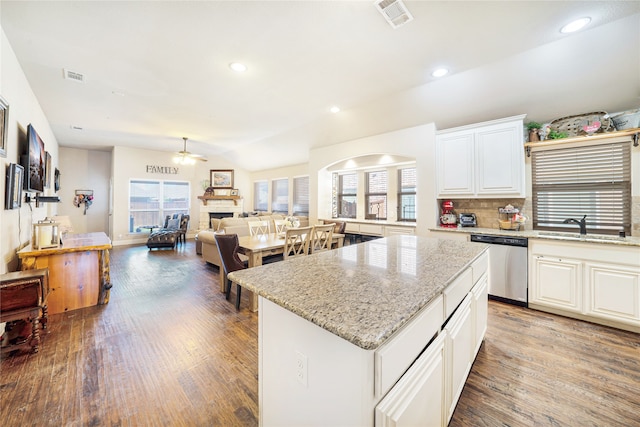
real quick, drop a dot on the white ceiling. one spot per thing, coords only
(158, 70)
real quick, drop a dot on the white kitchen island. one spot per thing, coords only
(379, 333)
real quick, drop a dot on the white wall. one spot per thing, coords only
(85, 170)
(131, 163)
(417, 142)
(15, 225)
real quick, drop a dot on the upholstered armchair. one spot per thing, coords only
(178, 223)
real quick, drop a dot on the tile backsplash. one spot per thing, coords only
(486, 210)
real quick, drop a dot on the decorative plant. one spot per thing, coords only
(554, 134)
(533, 128)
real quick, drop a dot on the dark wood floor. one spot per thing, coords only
(169, 350)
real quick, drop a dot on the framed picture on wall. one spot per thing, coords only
(13, 188)
(222, 178)
(4, 126)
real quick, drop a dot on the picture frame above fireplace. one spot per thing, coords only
(222, 178)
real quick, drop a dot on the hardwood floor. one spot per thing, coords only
(169, 350)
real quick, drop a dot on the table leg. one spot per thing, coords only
(255, 260)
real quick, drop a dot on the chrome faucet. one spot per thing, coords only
(582, 223)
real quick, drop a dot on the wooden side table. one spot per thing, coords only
(23, 296)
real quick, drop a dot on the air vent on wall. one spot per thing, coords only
(394, 11)
(72, 75)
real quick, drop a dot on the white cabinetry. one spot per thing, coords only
(481, 160)
(418, 398)
(459, 348)
(309, 376)
(558, 282)
(600, 283)
(613, 292)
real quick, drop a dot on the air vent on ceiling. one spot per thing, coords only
(394, 11)
(72, 75)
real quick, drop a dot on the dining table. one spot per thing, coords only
(255, 248)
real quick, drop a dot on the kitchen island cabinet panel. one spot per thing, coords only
(460, 344)
(309, 376)
(340, 330)
(418, 398)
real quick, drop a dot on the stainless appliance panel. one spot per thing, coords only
(507, 268)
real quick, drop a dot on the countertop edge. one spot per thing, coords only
(533, 234)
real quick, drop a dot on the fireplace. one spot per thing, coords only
(218, 209)
(220, 215)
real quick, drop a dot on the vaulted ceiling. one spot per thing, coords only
(157, 71)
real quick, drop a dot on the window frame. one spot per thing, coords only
(161, 210)
(368, 195)
(256, 199)
(275, 196)
(341, 195)
(298, 201)
(402, 192)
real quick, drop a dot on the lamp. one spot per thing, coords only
(186, 158)
(183, 159)
(45, 235)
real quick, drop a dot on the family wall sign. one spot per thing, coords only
(170, 170)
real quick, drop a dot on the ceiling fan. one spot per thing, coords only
(186, 158)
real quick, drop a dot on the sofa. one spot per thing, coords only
(239, 226)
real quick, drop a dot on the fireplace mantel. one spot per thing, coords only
(206, 198)
(218, 204)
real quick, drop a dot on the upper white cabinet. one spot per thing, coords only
(481, 160)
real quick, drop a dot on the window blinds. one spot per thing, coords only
(592, 180)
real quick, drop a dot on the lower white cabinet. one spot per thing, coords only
(459, 351)
(480, 308)
(418, 398)
(613, 292)
(557, 282)
(600, 283)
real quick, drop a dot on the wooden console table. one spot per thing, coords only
(78, 270)
(23, 296)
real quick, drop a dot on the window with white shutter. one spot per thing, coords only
(301, 195)
(376, 194)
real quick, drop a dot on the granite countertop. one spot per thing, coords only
(366, 292)
(548, 235)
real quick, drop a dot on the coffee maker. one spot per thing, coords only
(448, 218)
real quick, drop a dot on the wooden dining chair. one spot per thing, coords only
(280, 225)
(321, 237)
(228, 247)
(296, 242)
(258, 228)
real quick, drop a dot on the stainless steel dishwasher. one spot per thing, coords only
(507, 267)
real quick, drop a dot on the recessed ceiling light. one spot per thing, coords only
(238, 67)
(335, 109)
(576, 25)
(440, 72)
